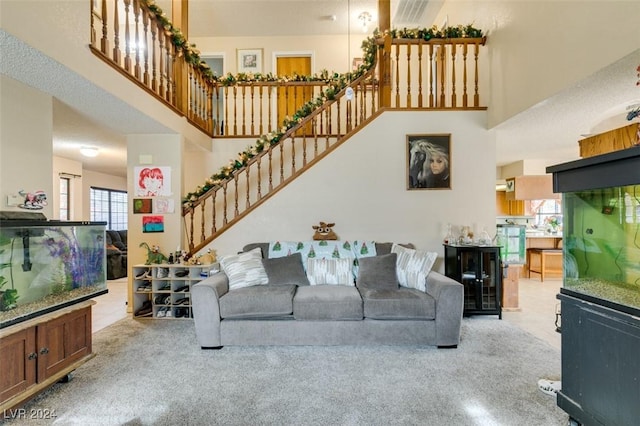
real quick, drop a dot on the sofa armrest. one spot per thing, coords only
(449, 295)
(205, 297)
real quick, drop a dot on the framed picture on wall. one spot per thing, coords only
(428, 161)
(142, 205)
(249, 60)
(152, 181)
(152, 224)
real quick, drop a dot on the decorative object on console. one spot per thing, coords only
(33, 200)
(324, 231)
(153, 254)
(208, 258)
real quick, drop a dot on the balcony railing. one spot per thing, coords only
(440, 73)
(407, 71)
(234, 192)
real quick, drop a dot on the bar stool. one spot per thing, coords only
(541, 255)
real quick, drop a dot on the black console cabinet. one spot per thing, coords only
(478, 269)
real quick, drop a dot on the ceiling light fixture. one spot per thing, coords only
(89, 151)
(364, 18)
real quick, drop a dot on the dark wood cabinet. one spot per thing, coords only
(37, 353)
(479, 270)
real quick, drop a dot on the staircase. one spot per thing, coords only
(417, 69)
(278, 158)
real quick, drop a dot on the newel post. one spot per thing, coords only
(384, 71)
(384, 54)
(180, 14)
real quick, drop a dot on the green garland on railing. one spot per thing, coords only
(335, 82)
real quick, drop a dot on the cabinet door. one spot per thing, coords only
(18, 369)
(488, 276)
(469, 270)
(63, 341)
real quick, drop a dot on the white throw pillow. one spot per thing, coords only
(330, 271)
(244, 269)
(413, 266)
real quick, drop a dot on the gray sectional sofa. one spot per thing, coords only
(288, 311)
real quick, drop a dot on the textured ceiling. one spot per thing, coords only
(551, 129)
(96, 118)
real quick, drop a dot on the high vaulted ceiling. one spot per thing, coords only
(215, 18)
(549, 130)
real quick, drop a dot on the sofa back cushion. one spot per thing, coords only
(385, 248)
(378, 272)
(285, 270)
(264, 248)
(244, 269)
(330, 271)
(123, 237)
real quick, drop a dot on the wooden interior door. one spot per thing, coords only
(290, 99)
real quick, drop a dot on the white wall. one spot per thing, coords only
(25, 142)
(333, 53)
(361, 187)
(554, 44)
(61, 29)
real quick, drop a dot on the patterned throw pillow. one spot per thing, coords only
(330, 271)
(413, 266)
(244, 269)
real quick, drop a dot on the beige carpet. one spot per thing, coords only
(154, 373)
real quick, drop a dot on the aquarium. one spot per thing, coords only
(512, 239)
(46, 265)
(601, 229)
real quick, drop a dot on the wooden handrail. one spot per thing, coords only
(408, 74)
(299, 148)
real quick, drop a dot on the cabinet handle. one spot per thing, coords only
(44, 351)
(32, 356)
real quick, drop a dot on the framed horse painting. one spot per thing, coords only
(429, 161)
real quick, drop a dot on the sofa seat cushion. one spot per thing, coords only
(260, 301)
(401, 303)
(327, 302)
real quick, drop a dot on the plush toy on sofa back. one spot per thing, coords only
(324, 232)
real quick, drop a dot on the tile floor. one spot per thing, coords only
(536, 314)
(112, 306)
